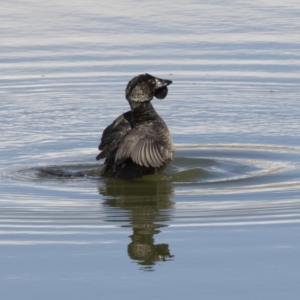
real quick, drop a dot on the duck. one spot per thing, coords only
(138, 142)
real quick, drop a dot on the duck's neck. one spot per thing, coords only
(143, 112)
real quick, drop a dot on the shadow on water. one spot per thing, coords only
(148, 207)
(226, 185)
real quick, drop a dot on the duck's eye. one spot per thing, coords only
(161, 93)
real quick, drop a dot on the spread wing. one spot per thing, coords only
(114, 134)
(142, 147)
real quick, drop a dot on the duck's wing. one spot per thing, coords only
(114, 134)
(142, 147)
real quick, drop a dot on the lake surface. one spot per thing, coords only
(222, 221)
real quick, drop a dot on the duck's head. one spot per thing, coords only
(144, 87)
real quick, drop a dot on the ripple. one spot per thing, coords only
(200, 168)
(205, 185)
(232, 168)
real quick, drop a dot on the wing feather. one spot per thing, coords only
(142, 147)
(157, 156)
(149, 156)
(144, 151)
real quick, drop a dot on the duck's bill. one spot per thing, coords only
(161, 93)
(159, 83)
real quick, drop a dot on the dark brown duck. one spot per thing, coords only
(138, 142)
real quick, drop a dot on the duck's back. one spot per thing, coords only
(114, 134)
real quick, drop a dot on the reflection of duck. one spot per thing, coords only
(138, 142)
(149, 205)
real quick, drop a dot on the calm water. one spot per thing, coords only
(222, 222)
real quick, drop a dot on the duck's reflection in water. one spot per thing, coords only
(146, 207)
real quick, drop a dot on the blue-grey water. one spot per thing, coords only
(222, 221)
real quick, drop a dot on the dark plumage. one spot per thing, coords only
(138, 142)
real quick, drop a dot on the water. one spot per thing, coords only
(222, 222)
